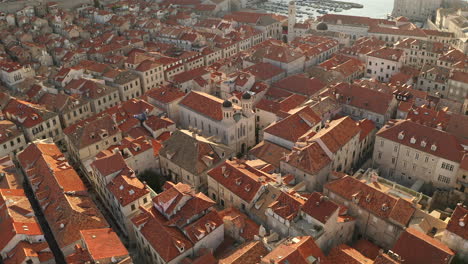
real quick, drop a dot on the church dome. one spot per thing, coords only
(246, 96)
(322, 26)
(227, 104)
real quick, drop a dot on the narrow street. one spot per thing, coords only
(54, 247)
(105, 212)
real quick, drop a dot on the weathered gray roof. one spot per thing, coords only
(188, 151)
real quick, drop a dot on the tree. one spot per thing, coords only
(153, 179)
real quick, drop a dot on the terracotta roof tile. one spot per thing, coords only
(300, 84)
(347, 255)
(25, 250)
(103, 243)
(387, 54)
(248, 228)
(363, 98)
(165, 94)
(319, 207)
(294, 126)
(338, 133)
(240, 178)
(269, 152)
(297, 250)
(415, 247)
(458, 223)
(287, 205)
(367, 248)
(378, 203)
(437, 142)
(264, 71)
(17, 217)
(311, 158)
(248, 252)
(63, 196)
(163, 238)
(91, 131)
(205, 104)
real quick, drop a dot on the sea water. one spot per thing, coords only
(372, 8)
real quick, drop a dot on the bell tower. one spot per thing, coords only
(291, 20)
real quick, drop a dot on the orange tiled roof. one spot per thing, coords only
(63, 196)
(338, 133)
(92, 130)
(364, 98)
(17, 216)
(294, 126)
(264, 71)
(378, 203)
(415, 247)
(319, 207)
(347, 255)
(287, 205)
(239, 178)
(248, 252)
(103, 243)
(311, 158)
(300, 84)
(458, 223)
(437, 142)
(205, 104)
(165, 239)
(248, 228)
(269, 152)
(298, 250)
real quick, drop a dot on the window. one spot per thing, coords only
(133, 207)
(444, 179)
(447, 166)
(145, 200)
(395, 148)
(416, 156)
